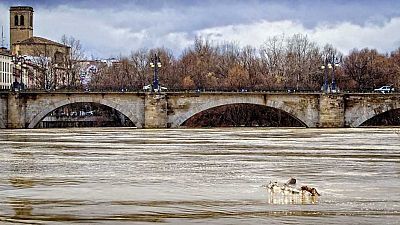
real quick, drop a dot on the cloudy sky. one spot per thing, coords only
(110, 28)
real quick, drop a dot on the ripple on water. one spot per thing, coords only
(211, 176)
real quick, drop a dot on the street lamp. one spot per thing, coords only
(335, 63)
(19, 67)
(325, 68)
(330, 63)
(155, 64)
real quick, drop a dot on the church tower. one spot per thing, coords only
(21, 24)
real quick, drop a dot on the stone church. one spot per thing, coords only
(22, 41)
(25, 46)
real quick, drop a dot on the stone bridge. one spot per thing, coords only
(172, 109)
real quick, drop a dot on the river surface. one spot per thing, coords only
(198, 176)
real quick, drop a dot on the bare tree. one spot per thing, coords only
(140, 60)
(394, 68)
(73, 64)
(252, 64)
(46, 69)
(367, 68)
(303, 61)
(273, 61)
(291, 62)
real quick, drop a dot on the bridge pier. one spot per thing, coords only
(3, 110)
(155, 110)
(331, 111)
(16, 107)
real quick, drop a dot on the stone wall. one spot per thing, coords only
(16, 111)
(155, 111)
(331, 111)
(3, 110)
(47, 50)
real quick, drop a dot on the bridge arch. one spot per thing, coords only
(49, 108)
(179, 120)
(372, 112)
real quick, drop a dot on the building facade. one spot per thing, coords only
(6, 71)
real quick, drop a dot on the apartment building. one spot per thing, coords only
(6, 70)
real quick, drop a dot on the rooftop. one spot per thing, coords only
(19, 8)
(4, 51)
(40, 40)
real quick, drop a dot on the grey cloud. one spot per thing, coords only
(113, 27)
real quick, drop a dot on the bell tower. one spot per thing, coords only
(21, 24)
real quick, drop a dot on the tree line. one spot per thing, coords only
(281, 63)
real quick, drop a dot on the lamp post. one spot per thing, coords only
(155, 64)
(17, 73)
(325, 67)
(335, 63)
(19, 67)
(330, 63)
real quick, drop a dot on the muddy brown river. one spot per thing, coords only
(198, 176)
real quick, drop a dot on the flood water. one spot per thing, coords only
(198, 176)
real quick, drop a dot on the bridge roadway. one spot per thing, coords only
(172, 109)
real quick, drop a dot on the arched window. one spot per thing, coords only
(15, 20)
(31, 20)
(22, 22)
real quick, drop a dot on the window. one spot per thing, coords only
(16, 20)
(31, 20)
(22, 22)
(58, 57)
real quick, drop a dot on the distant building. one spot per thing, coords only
(27, 71)
(6, 70)
(89, 68)
(23, 42)
(49, 59)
